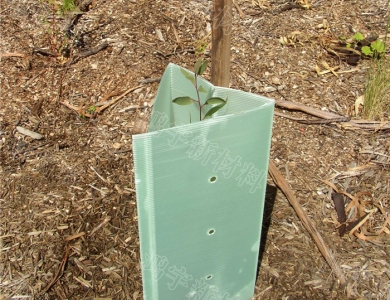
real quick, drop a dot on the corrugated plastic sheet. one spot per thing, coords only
(200, 192)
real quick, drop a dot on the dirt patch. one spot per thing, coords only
(68, 211)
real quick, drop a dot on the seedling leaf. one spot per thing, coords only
(203, 67)
(378, 46)
(188, 75)
(213, 111)
(202, 89)
(366, 50)
(358, 36)
(215, 100)
(183, 100)
(198, 65)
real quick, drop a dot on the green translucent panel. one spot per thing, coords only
(200, 193)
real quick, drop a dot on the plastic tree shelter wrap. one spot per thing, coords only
(200, 189)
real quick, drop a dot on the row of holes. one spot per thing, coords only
(212, 179)
(211, 231)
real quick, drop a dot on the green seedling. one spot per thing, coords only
(358, 36)
(201, 47)
(354, 40)
(216, 103)
(375, 49)
(91, 109)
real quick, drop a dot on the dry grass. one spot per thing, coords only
(377, 93)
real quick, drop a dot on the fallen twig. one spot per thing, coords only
(328, 117)
(12, 54)
(132, 107)
(372, 125)
(318, 121)
(325, 251)
(43, 52)
(310, 110)
(98, 175)
(149, 80)
(242, 14)
(287, 7)
(100, 109)
(105, 221)
(90, 52)
(80, 109)
(60, 271)
(104, 100)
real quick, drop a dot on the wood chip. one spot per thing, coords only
(75, 236)
(106, 220)
(31, 134)
(83, 282)
(159, 35)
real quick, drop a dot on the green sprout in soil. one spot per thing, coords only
(91, 109)
(373, 49)
(201, 47)
(216, 102)
(376, 49)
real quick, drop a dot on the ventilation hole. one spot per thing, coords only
(208, 277)
(211, 231)
(213, 179)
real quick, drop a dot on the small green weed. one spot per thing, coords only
(91, 109)
(201, 47)
(373, 49)
(376, 49)
(202, 44)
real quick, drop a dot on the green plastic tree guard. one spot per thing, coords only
(200, 189)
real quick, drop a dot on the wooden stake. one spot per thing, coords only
(221, 38)
(220, 76)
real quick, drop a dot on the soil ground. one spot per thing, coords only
(72, 194)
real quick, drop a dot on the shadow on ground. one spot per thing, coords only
(270, 196)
